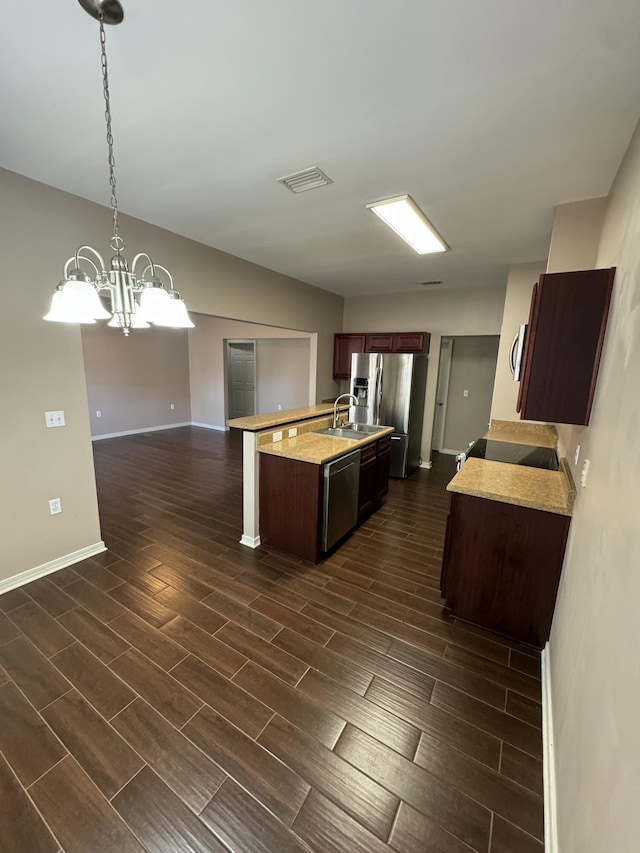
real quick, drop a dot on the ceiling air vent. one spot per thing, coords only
(427, 283)
(307, 179)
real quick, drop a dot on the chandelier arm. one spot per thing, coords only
(165, 270)
(150, 265)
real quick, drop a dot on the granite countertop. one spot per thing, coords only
(539, 435)
(536, 488)
(318, 449)
(255, 423)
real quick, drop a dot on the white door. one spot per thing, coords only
(442, 391)
(241, 376)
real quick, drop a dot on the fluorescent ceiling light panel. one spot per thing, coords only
(405, 217)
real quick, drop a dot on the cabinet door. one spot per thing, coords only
(408, 342)
(382, 468)
(567, 325)
(503, 566)
(344, 345)
(367, 488)
(380, 342)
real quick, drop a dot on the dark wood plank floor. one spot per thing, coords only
(183, 693)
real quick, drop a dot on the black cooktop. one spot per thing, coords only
(515, 454)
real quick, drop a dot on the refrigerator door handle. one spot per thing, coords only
(378, 392)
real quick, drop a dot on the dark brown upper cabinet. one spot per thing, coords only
(567, 322)
(344, 345)
(343, 348)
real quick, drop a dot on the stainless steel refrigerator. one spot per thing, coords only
(390, 390)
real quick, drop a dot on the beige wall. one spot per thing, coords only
(42, 363)
(595, 638)
(134, 380)
(473, 369)
(520, 283)
(207, 359)
(442, 312)
(282, 374)
(41, 369)
(575, 235)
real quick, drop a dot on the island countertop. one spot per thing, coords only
(318, 449)
(255, 423)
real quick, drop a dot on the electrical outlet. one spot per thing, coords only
(277, 436)
(465, 393)
(55, 506)
(293, 431)
(172, 406)
(54, 419)
(98, 413)
(585, 472)
(577, 456)
(279, 407)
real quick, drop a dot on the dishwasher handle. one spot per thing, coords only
(335, 471)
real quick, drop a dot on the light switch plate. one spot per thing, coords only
(54, 419)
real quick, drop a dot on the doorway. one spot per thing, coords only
(464, 391)
(241, 378)
(442, 392)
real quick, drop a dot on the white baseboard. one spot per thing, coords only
(549, 758)
(210, 426)
(137, 431)
(428, 464)
(250, 541)
(51, 566)
(449, 452)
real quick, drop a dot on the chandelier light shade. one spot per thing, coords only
(77, 297)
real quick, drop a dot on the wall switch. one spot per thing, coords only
(293, 431)
(279, 407)
(465, 393)
(55, 506)
(172, 406)
(54, 419)
(277, 436)
(585, 471)
(577, 456)
(98, 413)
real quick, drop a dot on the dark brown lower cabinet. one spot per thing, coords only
(383, 460)
(291, 495)
(501, 566)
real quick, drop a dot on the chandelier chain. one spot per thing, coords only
(117, 243)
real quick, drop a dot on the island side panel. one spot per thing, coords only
(291, 506)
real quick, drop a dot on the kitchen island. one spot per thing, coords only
(506, 536)
(290, 434)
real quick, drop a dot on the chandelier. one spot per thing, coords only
(77, 297)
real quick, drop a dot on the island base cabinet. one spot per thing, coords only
(502, 565)
(291, 506)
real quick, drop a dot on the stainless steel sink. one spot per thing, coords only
(352, 431)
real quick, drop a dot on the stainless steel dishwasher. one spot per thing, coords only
(340, 505)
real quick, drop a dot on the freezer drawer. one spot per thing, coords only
(340, 498)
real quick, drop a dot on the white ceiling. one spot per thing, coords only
(489, 114)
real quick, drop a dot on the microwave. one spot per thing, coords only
(516, 352)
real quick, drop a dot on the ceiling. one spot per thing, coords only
(488, 114)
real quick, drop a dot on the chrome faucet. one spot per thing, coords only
(335, 407)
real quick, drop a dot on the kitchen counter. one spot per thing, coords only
(317, 449)
(539, 435)
(255, 423)
(535, 488)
